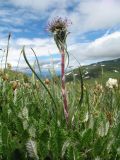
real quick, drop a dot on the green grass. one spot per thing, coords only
(32, 127)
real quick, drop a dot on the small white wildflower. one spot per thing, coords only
(111, 83)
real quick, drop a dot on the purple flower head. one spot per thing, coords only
(58, 27)
(58, 24)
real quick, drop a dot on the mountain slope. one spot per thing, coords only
(105, 69)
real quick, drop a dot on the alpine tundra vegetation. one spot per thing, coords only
(58, 119)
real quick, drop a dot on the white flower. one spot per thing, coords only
(112, 83)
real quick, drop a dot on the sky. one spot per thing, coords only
(94, 32)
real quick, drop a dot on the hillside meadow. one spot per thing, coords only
(33, 126)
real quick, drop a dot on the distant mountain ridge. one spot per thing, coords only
(95, 70)
(112, 64)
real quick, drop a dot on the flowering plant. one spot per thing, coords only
(58, 27)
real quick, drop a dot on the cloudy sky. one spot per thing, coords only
(94, 33)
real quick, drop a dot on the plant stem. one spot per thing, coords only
(63, 85)
(7, 52)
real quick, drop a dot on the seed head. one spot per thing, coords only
(15, 84)
(58, 24)
(58, 27)
(5, 77)
(47, 81)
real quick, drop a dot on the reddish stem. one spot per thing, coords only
(63, 85)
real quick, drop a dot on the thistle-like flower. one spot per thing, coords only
(58, 27)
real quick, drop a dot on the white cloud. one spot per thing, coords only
(104, 48)
(34, 4)
(45, 5)
(86, 15)
(15, 20)
(42, 47)
(93, 15)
